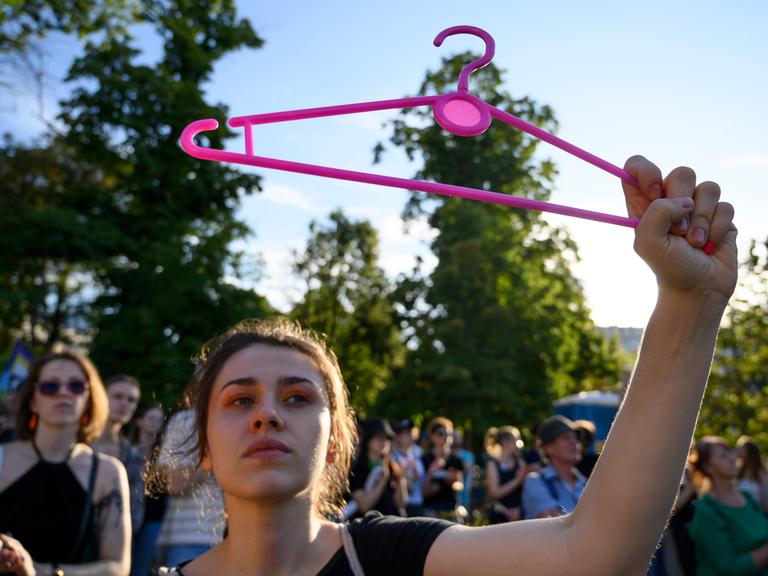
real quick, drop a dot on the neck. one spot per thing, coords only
(55, 443)
(271, 538)
(722, 488)
(563, 469)
(111, 433)
(146, 438)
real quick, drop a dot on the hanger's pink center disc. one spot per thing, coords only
(462, 113)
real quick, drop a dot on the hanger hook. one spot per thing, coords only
(490, 48)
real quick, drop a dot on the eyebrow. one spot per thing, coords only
(282, 382)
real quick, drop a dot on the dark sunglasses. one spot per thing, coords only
(75, 386)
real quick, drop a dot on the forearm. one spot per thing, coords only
(626, 503)
(366, 499)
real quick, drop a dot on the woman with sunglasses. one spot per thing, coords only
(274, 426)
(63, 507)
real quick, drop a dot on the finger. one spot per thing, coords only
(678, 183)
(721, 226)
(657, 222)
(649, 179)
(707, 196)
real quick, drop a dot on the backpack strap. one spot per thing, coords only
(350, 551)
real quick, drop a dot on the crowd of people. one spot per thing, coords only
(720, 518)
(266, 471)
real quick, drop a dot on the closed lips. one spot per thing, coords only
(266, 445)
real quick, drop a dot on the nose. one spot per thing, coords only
(266, 417)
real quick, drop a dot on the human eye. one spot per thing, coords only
(239, 401)
(297, 398)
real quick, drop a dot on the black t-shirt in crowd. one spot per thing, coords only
(358, 478)
(445, 498)
(385, 545)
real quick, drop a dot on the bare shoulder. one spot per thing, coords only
(18, 458)
(109, 476)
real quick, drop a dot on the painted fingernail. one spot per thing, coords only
(699, 236)
(684, 202)
(710, 247)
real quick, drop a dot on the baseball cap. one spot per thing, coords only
(553, 427)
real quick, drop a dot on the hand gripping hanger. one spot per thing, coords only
(457, 112)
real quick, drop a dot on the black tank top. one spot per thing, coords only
(514, 498)
(44, 510)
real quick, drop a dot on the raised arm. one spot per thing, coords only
(622, 512)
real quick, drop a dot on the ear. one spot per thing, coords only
(333, 448)
(205, 462)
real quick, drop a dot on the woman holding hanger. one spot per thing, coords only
(275, 427)
(63, 507)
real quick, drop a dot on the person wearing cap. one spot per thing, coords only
(376, 481)
(404, 453)
(556, 489)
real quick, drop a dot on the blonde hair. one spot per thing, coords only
(494, 437)
(282, 332)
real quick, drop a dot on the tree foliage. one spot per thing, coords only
(347, 298)
(500, 328)
(115, 232)
(736, 401)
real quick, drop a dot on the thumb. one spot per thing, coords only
(658, 220)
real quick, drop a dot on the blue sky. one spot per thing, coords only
(679, 82)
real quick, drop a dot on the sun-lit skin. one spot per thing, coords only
(268, 392)
(63, 409)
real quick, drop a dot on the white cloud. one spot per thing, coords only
(288, 196)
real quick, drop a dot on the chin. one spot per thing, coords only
(265, 485)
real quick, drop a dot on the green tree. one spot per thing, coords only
(500, 328)
(347, 298)
(129, 228)
(736, 401)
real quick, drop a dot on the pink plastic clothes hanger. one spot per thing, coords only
(458, 112)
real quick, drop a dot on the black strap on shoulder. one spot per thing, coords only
(85, 518)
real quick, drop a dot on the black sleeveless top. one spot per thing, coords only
(513, 499)
(44, 510)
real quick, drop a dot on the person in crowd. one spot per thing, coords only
(505, 472)
(7, 433)
(729, 529)
(468, 461)
(680, 525)
(531, 454)
(585, 432)
(147, 429)
(123, 394)
(64, 508)
(443, 472)
(753, 477)
(405, 455)
(377, 481)
(193, 521)
(10, 407)
(274, 425)
(147, 438)
(556, 489)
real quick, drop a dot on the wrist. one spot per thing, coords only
(696, 308)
